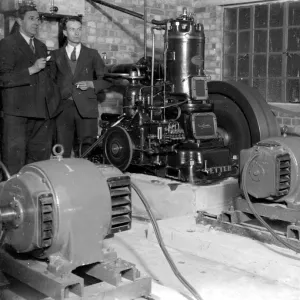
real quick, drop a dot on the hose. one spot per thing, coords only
(162, 245)
(258, 217)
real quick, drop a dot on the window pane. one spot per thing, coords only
(294, 39)
(276, 15)
(243, 66)
(259, 65)
(260, 85)
(294, 13)
(230, 18)
(244, 81)
(229, 42)
(261, 16)
(276, 40)
(293, 65)
(292, 90)
(275, 66)
(260, 41)
(274, 90)
(244, 18)
(229, 66)
(244, 42)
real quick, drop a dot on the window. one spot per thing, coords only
(262, 49)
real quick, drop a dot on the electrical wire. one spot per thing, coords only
(251, 206)
(162, 245)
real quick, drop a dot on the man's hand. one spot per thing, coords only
(39, 65)
(84, 85)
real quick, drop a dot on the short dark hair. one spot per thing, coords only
(72, 18)
(24, 9)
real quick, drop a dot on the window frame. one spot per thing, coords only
(251, 55)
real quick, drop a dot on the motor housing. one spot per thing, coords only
(64, 208)
(273, 170)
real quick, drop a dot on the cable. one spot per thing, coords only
(258, 217)
(162, 245)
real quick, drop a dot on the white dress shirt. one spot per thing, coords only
(70, 48)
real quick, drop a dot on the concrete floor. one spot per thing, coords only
(219, 265)
(254, 271)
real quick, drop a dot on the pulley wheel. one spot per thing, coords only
(118, 147)
(243, 115)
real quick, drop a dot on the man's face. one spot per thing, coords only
(30, 24)
(73, 31)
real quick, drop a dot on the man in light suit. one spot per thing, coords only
(29, 98)
(78, 71)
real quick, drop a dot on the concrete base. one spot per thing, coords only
(169, 198)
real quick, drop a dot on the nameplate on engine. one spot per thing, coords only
(199, 88)
(218, 169)
(204, 125)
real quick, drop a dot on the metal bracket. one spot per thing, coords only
(34, 274)
(113, 272)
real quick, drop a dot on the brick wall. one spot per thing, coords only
(120, 35)
(212, 19)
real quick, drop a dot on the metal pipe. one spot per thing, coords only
(129, 12)
(166, 45)
(145, 29)
(5, 170)
(142, 137)
(152, 72)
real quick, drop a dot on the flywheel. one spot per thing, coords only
(118, 147)
(243, 115)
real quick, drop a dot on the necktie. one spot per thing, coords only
(31, 45)
(73, 54)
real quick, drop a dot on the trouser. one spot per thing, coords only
(25, 140)
(74, 132)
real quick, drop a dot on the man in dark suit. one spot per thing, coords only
(79, 74)
(28, 95)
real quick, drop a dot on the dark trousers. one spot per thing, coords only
(73, 131)
(25, 140)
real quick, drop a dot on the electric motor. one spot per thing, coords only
(64, 207)
(272, 169)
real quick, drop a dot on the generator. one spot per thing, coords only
(268, 208)
(55, 217)
(176, 122)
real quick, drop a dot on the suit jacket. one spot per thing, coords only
(90, 67)
(23, 94)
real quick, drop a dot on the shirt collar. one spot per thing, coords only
(70, 48)
(26, 37)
